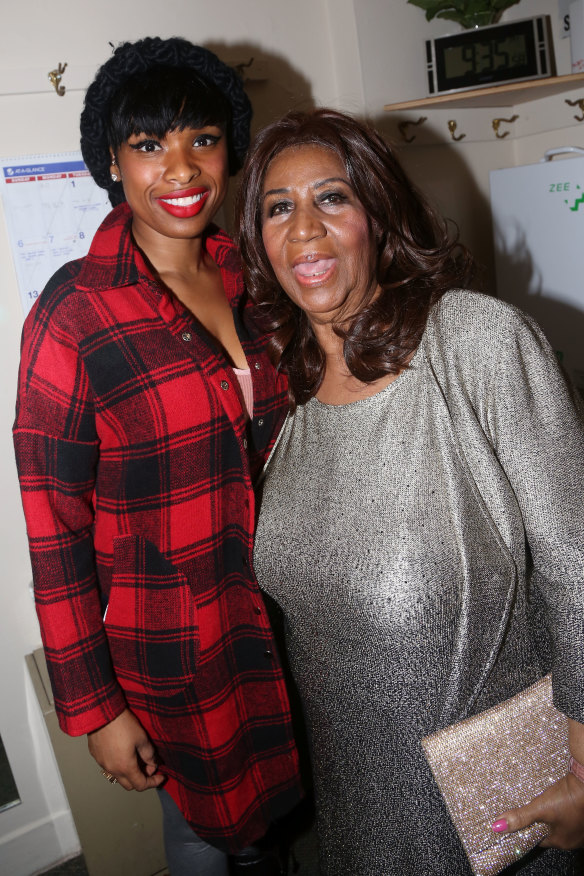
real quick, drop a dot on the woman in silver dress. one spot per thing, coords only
(422, 515)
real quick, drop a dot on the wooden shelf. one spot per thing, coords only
(499, 95)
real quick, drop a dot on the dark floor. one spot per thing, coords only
(76, 867)
(303, 860)
(73, 867)
(8, 789)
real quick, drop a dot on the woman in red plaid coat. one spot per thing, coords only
(146, 407)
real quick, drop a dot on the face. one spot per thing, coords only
(176, 184)
(317, 234)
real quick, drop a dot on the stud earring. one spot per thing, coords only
(114, 177)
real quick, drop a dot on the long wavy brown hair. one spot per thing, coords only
(418, 259)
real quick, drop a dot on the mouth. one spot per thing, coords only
(312, 270)
(184, 204)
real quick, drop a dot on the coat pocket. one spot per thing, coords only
(151, 621)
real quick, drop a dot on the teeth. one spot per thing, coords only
(312, 269)
(183, 202)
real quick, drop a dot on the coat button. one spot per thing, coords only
(257, 366)
(186, 336)
(224, 385)
(245, 443)
(261, 421)
(257, 609)
(268, 654)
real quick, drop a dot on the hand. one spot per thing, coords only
(123, 749)
(561, 806)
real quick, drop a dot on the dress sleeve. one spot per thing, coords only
(536, 424)
(57, 452)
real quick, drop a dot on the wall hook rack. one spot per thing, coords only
(497, 125)
(403, 128)
(579, 103)
(55, 77)
(452, 126)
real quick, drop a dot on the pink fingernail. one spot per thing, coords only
(500, 825)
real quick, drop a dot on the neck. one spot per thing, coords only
(329, 342)
(336, 373)
(169, 254)
(339, 386)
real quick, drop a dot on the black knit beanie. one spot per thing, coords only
(129, 59)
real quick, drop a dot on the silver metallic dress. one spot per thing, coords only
(418, 542)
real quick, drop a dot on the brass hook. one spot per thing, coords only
(403, 128)
(452, 125)
(239, 68)
(578, 103)
(497, 123)
(55, 78)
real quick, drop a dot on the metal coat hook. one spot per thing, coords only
(579, 103)
(452, 125)
(244, 65)
(55, 79)
(403, 128)
(497, 124)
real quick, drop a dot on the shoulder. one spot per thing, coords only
(465, 310)
(482, 326)
(55, 294)
(492, 353)
(108, 263)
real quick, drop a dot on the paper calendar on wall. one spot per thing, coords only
(53, 208)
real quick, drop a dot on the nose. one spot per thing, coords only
(182, 165)
(306, 224)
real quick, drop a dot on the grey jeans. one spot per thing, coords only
(186, 853)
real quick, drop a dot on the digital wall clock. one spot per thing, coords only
(509, 52)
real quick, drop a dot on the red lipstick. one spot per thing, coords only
(184, 203)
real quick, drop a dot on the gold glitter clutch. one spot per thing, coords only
(495, 761)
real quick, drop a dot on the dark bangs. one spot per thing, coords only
(166, 99)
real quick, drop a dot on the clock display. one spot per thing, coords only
(508, 52)
(481, 58)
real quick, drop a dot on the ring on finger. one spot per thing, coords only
(109, 776)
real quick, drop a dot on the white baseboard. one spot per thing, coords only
(36, 847)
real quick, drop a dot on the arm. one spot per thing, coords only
(542, 453)
(57, 449)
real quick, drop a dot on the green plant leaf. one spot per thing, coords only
(501, 5)
(467, 13)
(432, 8)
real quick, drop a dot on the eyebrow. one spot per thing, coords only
(318, 185)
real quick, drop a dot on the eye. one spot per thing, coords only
(145, 145)
(278, 208)
(206, 140)
(332, 198)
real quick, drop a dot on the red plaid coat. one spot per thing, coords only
(136, 469)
